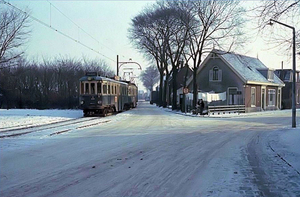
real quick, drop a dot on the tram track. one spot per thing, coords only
(54, 128)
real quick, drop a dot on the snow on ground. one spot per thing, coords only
(31, 117)
(285, 143)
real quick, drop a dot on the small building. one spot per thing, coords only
(286, 75)
(234, 79)
(183, 74)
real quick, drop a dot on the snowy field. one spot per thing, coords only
(32, 117)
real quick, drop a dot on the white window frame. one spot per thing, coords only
(253, 88)
(263, 98)
(269, 97)
(279, 98)
(271, 75)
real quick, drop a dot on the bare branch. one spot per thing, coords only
(13, 34)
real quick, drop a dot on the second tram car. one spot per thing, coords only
(102, 95)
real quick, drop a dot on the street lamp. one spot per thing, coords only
(119, 64)
(294, 71)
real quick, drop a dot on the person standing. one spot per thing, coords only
(201, 106)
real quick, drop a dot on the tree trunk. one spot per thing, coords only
(160, 99)
(165, 92)
(174, 81)
(195, 88)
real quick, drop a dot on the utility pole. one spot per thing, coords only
(294, 71)
(117, 65)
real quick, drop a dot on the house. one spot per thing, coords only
(286, 75)
(183, 74)
(235, 79)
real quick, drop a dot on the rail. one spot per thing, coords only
(226, 109)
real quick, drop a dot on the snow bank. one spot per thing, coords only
(31, 117)
(288, 146)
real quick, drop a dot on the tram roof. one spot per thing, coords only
(99, 78)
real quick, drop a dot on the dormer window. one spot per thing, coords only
(215, 74)
(270, 75)
(267, 73)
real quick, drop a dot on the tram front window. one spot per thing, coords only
(87, 88)
(92, 88)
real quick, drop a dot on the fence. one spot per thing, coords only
(226, 109)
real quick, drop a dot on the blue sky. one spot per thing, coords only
(106, 23)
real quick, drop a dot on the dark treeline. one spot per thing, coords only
(51, 84)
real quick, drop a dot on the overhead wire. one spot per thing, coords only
(58, 31)
(80, 27)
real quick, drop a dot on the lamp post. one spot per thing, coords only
(294, 71)
(119, 64)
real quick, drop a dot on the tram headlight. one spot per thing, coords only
(99, 102)
(81, 102)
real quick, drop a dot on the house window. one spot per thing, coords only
(270, 75)
(215, 74)
(271, 94)
(253, 97)
(279, 99)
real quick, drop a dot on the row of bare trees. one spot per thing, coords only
(47, 84)
(51, 84)
(172, 31)
(150, 77)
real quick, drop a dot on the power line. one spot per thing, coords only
(60, 32)
(79, 27)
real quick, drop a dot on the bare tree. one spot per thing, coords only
(145, 36)
(160, 32)
(277, 9)
(150, 77)
(175, 24)
(219, 24)
(13, 33)
(284, 11)
(186, 29)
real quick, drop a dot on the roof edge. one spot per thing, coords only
(263, 83)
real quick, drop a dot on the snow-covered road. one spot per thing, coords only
(149, 151)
